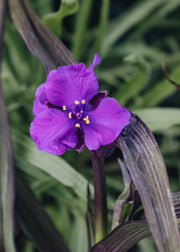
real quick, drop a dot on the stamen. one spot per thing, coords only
(86, 119)
(64, 108)
(70, 115)
(76, 102)
(77, 125)
(83, 101)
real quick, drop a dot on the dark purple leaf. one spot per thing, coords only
(40, 41)
(176, 203)
(148, 172)
(6, 165)
(122, 201)
(128, 205)
(35, 222)
(123, 237)
(129, 233)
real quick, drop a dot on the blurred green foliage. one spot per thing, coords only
(132, 38)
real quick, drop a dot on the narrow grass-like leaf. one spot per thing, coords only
(40, 41)
(176, 202)
(6, 165)
(53, 165)
(131, 88)
(35, 222)
(168, 77)
(123, 237)
(160, 15)
(54, 20)
(160, 91)
(122, 199)
(101, 27)
(79, 240)
(159, 119)
(120, 26)
(129, 233)
(80, 28)
(147, 169)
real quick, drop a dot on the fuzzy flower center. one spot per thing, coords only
(77, 113)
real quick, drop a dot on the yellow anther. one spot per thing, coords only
(64, 108)
(86, 119)
(77, 125)
(70, 115)
(83, 101)
(76, 102)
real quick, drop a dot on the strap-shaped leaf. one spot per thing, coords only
(176, 202)
(123, 197)
(34, 221)
(54, 20)
(129, 233)
(123, 237)
(156, 118)
(6, 165)
(40, 41)
(147, 169)
(54, 166)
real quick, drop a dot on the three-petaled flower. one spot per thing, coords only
(70, 111)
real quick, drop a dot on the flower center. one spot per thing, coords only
(77, 112)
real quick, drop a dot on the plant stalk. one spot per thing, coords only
(100, 197)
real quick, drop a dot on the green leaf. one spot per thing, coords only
(131, 18)
(40, 41)
(6, 165)
(54, 20)
(81, 27)
(53, 165)
(35, 222)
(100, 32)
(79, 241)
(147, 169)
(136, 83)
(160, 91)
(159, 119)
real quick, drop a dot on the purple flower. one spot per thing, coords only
(70, 111)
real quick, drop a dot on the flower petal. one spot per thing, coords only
(40, 98)
(106, 123)
(60, 87)
(70, 83)
(86, 82)
(96, 61)
(53, 132)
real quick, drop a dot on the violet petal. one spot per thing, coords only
(40, 98)
(53, 132)
(70, 83)
(96, 61)
(106, 123)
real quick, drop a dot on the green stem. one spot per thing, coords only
(100, 197)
